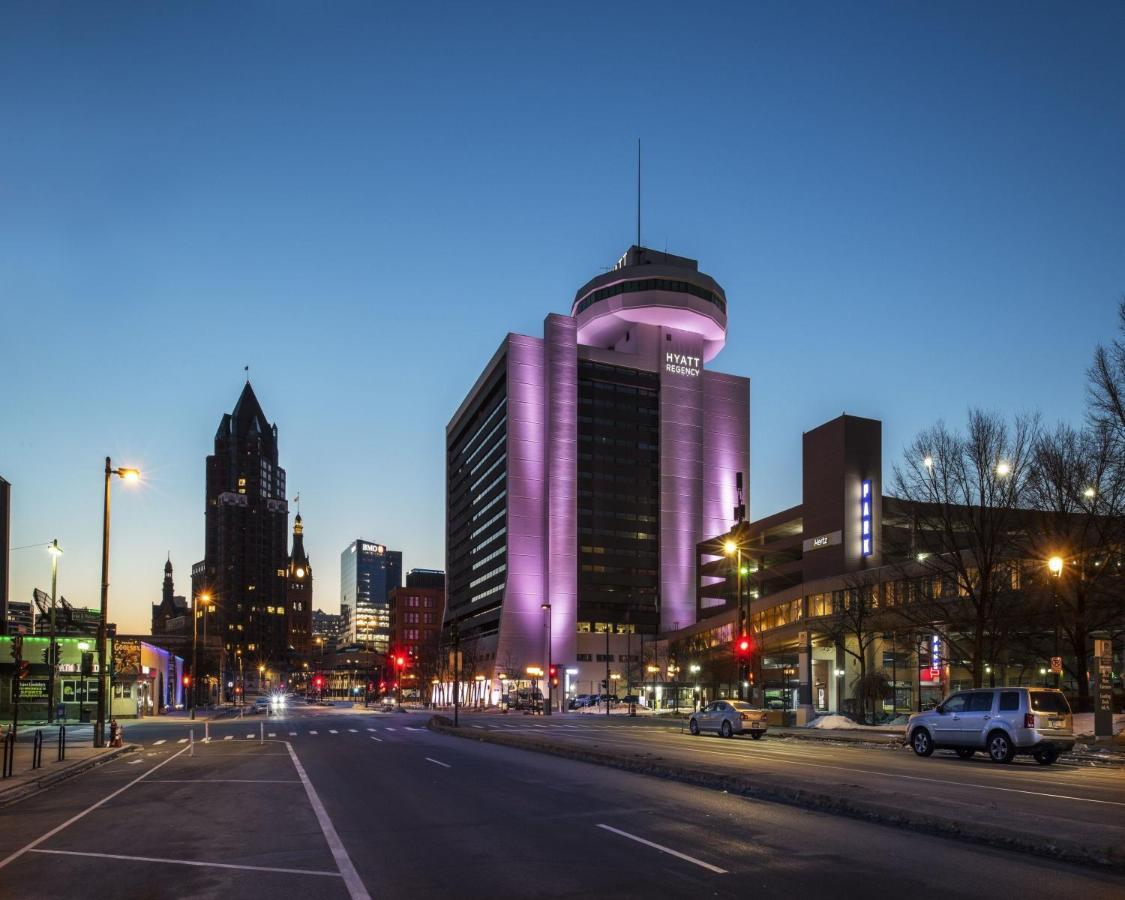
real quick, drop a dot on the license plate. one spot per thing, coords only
(1055, 723)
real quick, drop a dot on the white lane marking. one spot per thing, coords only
(271, 734)
(291, 734)
(370, 729)
(158, 743)
(438, 762)
(352, 730)
(190, 862)
(380, 740)
(134, 762)
(250, 735)
(389, 728)
(182, 741)
(89, 809)
(229, 737)
(479, 726)
(411, 728)
(314, 732)
(352, 881)
(333, 731)
(663, 849)
(222, 781)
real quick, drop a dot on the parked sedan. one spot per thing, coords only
(728, 718)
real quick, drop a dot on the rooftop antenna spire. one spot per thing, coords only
(298, 501)
(246, 369)
(638, 192)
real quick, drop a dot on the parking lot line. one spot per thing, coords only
(380, 740)
(438, 762)
(192, 862)
(89, 809)
(352, 881)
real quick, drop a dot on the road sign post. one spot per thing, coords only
(1103, 692)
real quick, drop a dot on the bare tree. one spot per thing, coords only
(964, 491)
(854, 626)
(1107, 382)
(1077, 488)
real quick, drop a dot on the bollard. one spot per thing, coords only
(261, 732)
(37, 749)
(191, 742)
(206, 731)
(9, 753)
(62, 743)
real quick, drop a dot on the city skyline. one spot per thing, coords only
(982, 197)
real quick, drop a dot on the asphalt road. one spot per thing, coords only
(390, 809)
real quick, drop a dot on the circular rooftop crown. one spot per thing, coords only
(648, 287)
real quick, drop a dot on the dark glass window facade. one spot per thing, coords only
(651, 284)
(476, 511)
(618, 496)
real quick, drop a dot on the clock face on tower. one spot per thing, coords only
(300, 572)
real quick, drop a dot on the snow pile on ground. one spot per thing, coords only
(832, 721)
(1084, 724)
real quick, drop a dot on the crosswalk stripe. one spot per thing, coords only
(270, 734)
(333, 731)
(250, 735)
(229, 737)
(292, 734)
(352, 730)
(370, 729)
(380, 740)
(313, 732)
(390, 728)
(158, 743)
(479, 726)
(182, 741)
(409, 728)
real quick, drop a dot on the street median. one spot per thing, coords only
(987, 824)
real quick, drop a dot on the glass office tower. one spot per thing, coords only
(368, 574)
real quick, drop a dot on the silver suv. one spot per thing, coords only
(999, 721)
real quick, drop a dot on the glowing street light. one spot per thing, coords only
(1055, 564)
(131, 476)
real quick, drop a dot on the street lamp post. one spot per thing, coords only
(1055, 566)
(103, 618)
(695, 673)
(52, 651)
(203, 601)
(546, 607)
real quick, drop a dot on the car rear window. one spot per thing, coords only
(1049, 702)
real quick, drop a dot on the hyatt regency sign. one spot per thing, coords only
(681, 364)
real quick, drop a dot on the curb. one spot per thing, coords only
(868, 810)
(29, 788)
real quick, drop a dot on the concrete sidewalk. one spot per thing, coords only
(26, 781)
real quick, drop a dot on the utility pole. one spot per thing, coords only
(456, 675)
(607, 626)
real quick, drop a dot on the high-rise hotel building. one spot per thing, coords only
(584, 467)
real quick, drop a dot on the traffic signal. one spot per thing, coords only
(742, 647)
(400, 661)
(24, 670)
(554, 676)
(88, 662)
(187, 680)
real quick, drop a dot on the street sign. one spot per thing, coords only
(1056, 665)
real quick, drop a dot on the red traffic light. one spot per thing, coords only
(742, 646)
(554, 671)
(400, 661)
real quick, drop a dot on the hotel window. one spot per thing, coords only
(583, 627)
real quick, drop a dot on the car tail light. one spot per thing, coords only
(1029, 720)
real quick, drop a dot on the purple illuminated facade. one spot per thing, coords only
(584, 467)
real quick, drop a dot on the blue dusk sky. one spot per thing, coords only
(913, 208)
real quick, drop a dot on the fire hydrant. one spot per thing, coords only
(115, 737)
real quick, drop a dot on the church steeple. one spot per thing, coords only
(168, 589)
